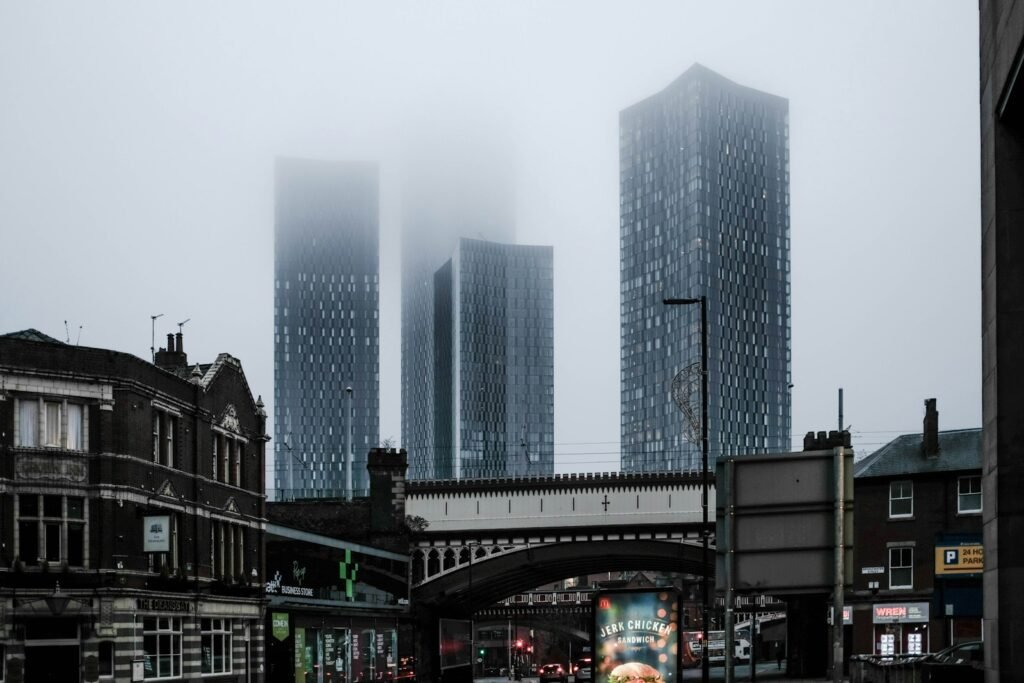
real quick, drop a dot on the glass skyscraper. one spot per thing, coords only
(470, 194)
(494, 362)
(704, 211)
(326, 269)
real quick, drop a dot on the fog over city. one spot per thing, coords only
(137, 148)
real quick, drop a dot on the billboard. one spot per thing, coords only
(781, 537)
(456, 642)
(636, 636)
(965, 558)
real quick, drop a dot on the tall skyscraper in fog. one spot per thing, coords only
(453, 187)
(326, 273)
(704, 211)
(494, 362)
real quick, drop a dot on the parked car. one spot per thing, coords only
(553, 672)
(582, 671)
(961, 653)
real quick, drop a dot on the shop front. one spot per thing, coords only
(309, 646)
(901, 628)
(338, 612)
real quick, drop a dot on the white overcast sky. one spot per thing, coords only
(137, 142)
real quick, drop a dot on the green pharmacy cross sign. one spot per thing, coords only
(347, 571)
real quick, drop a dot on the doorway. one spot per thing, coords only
(51, 663)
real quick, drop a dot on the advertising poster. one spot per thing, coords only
(456, 637)
(636, 637)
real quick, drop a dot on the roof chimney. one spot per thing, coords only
(930, 441)
(173, 358)
(179, 343)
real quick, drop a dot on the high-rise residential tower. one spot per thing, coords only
(704, 211)
(469, 193)
(326, 338)
(494, 362)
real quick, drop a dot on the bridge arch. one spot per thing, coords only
(476, 585)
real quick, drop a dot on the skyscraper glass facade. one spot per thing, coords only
(326, 272)
(494, 362)
(704, 211)
(469, 195)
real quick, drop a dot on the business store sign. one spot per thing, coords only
(966, 558)
(156, 534)
(900, 612)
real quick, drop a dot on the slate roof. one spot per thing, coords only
(959, 449)
(32, 334)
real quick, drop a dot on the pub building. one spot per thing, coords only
(131, 515)
(337, 584)
(918, 556)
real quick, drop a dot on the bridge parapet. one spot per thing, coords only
(559, 501)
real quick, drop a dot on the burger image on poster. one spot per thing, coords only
(634, 672)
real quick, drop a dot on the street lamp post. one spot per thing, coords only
(703, 301)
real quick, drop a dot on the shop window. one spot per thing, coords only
(901, 567)
(56, 535)
(968, 499)
(161, 645)
(901, 499)
(216, 646)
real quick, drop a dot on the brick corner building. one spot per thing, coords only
(132, 510)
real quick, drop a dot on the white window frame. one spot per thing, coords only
(163, 627)
(892, 499)
(960, 494)
(43, 406)
(211, 631)
(900, 549)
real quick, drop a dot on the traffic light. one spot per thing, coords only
(482, 652)
(519, 644)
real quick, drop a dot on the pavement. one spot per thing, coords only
(767, 671)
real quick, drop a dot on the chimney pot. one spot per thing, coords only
(180, 343)
(170, 343)
(930, 436)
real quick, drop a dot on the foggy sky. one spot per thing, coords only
(137, 143)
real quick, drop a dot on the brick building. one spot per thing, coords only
(131, 515)
(918, 555)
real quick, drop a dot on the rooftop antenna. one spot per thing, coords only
(67, 333)
(182, 324)
(152, 337)
(79, 338)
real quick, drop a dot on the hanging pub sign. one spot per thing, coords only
(156, 534)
